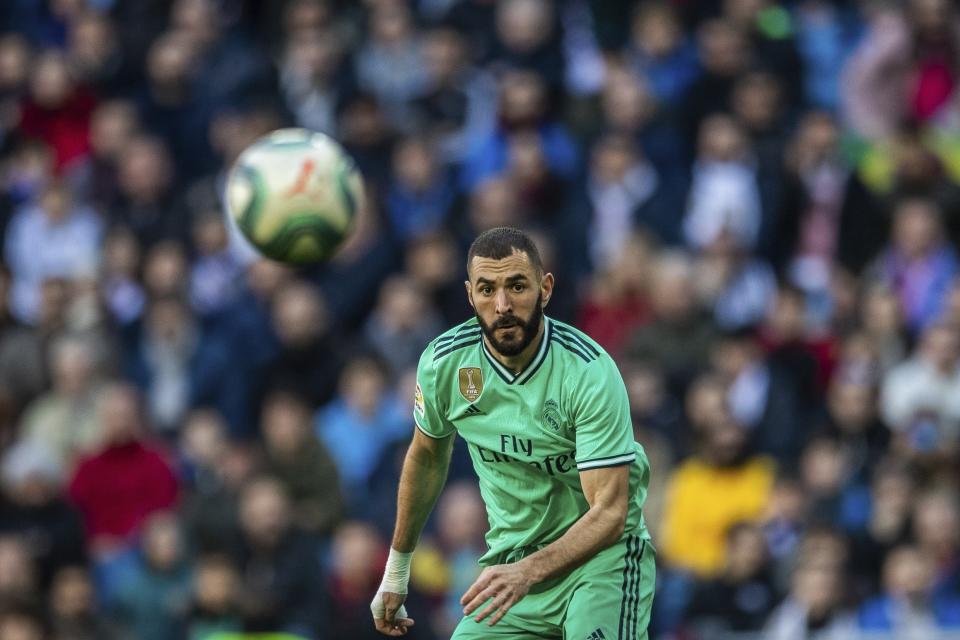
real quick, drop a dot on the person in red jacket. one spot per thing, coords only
(57, 110)
(117, 488)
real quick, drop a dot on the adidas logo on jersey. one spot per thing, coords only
(473, 411)
(596, 635)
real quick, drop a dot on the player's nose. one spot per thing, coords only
(503, 302)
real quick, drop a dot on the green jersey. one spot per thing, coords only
(530, 433)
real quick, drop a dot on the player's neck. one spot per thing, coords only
(518, 362)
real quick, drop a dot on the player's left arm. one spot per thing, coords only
(606, 490)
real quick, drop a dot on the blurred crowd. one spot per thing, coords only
(753, 205)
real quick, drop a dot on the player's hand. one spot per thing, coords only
(389, 614)
(504, 585)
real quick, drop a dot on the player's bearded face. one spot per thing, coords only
(516, 333)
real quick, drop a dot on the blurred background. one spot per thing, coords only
(753, 206)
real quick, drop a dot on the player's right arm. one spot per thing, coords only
(421, 480)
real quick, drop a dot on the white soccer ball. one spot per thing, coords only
(295, 194)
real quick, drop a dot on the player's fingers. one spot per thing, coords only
(502, 611)
(388, 629)
(392, 605)
(495, 604)
(478, 585)
(478, 600)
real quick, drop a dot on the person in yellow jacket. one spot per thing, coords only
(722, 485)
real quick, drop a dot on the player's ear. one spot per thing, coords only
(466, 284)
(546, 287)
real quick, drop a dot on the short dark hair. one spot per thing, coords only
(500, 242)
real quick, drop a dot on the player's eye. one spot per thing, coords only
(518, 287)
(486, 291)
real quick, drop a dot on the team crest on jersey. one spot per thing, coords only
(551, 414)
(418, 399)
(471, 383)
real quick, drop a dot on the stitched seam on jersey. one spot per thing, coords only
(611, 461)
(428, 434)
(454, 347)
(541, 356)
(573, 349)
(499, 368)
(462, 333)
(570, 334)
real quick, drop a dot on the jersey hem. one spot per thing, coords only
(609, 461)
(430, 435)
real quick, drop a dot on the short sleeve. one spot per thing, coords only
(604, 430)
(427, 413)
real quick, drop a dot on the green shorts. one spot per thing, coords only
(607, 598)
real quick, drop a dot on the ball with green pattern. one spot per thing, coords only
(295, 195)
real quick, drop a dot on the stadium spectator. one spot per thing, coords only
(282, 585)
(215, 606)
(357, 554)
(742, 597)
(310, 73)
(151, 602)
(401, 324)
(918, 394)
(680, 335)
(617, 303)
(22, 622)
(33, 507)
(216, 271)
(919, 264)
(146, 200)
(523, 106)
(66, 420)
(114, 511)
(308, 357)
(769, 396)
(421, 193)
(709, 492)
(74, 611)
(218, 469)
(390, 62)
(54, 237)
(661, 52)
(908, 607)
(814, 604)
(358, 426)
(937, 534)
(296, 458)
(19, 582)
(57, 110)
(162, 361)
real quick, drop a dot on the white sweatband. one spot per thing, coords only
(396, 576)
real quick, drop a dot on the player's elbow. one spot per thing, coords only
(614, 524)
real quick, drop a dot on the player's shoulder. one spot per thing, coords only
(444, 347)
(580, 349)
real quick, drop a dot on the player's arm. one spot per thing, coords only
(421, 480)
(424, 474)
(606, 490)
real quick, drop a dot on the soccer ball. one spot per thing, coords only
(294, 194)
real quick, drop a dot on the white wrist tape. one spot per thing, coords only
(396, 576)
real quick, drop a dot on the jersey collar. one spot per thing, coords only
(519, 378)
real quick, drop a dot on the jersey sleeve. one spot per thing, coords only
(604, 430)
(427, 413)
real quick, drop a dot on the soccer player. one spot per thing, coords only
(545, 415)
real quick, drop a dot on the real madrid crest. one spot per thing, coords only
(471, 383)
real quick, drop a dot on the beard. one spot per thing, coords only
(527, 330)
